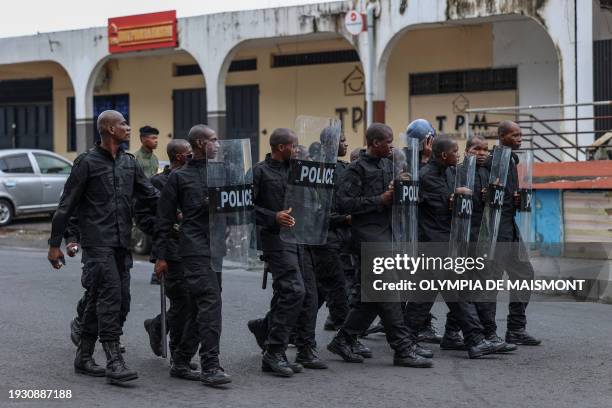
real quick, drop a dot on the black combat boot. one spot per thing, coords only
(179, 368)
(275, 362)
(429, 333)
(296, 367)
(422, 351)
(409, 358)
(483, 348)
(75, 331)
(155, 337)
(452, 340)
(307, 357)
(342, 344)
(116, 370)
(522, 338)
(257, 327)
(215, 376)
(84, 362)
(495, 339)
(361, 349)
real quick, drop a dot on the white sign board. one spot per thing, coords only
(354, 22)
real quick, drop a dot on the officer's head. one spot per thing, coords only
(445, 151)
(342, 145)
(179, 152)
(477, 146)
(379, 138)
(282, 143)
(203, 141)
(148, 137)
(329, 136)
(420, 129)
(112, 125)
(509, 134)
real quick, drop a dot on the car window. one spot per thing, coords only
(51, 165)
(19, 163)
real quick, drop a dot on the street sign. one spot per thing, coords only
(354, 22)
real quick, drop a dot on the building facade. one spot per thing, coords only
(248, 72)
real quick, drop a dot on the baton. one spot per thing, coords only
(264, 283)
(162, 292)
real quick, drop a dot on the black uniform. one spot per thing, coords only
(187, 190)
(507, 258)
(436, 185)
(294, 302)
(181, 323)
(331, 260)
(359, 194)
(101, 189)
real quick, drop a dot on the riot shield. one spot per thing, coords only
(524, 170)
(489, 227)
(310, 186)
(405, 196)
(230, 192)
(462, 207)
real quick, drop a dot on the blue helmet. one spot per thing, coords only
(420, 129)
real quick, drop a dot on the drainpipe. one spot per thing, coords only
(370, 16)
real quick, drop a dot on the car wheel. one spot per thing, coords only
(141, 242)
(6, 212)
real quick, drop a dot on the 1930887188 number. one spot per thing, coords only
(40, 394)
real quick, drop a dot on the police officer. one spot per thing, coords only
(365, 193)
(329, 263)
(101, 185)
(507, 258)
(437, 184)
(187, 190)
(294, 302)
(179, 317)
(145, 156)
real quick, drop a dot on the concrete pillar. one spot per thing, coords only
(83, 109)
(217, 121)
(575, 50)
(215, 97)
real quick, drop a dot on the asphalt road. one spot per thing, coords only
(573, 367)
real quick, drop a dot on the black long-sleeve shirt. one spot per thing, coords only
(100, 191)
(269, 184)
(187, 190)
(437, 183)
(359, 195)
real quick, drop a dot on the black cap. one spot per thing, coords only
(148, 130)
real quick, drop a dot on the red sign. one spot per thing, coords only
(142, 32)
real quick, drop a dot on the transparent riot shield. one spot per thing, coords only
(489, 227)
(524, 170)
(462, 207)
(310, 186)
(231, 211)
(405, 196)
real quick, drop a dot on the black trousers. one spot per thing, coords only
(106, 302)
(204, 290)
(294, 303)
(507, 259)
(361, 314)
(180, 322)
(331, 282)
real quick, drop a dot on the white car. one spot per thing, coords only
(31, 182)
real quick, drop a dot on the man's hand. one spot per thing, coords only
(348, 220)
(56, 257)
(161, 268)
(72, 249)
(284, 219)
(517, 200)
(484, 195)
(427, 149)
(387, 196)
